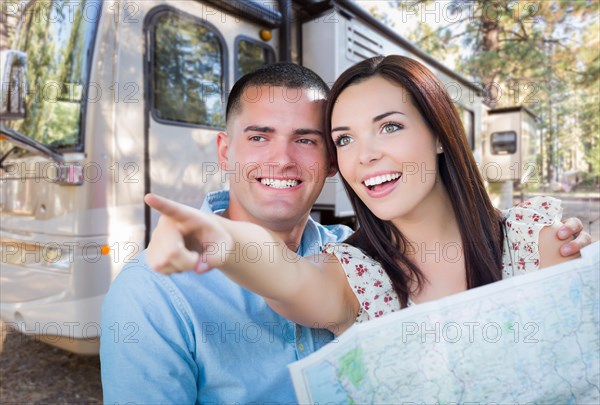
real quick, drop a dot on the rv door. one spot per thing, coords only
(193, 57)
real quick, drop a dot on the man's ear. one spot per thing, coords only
(223, 149)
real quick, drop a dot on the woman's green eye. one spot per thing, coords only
(343, 140)
(391, 127)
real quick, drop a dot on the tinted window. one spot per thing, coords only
(251, 56)
(58, 37)
(188, 71)
(504, 143)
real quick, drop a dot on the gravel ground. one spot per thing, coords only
(34, 372)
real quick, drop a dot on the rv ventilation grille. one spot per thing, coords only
(361, 43)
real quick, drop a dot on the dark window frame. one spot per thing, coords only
(149, 27)
(236, 50)
(470, 136)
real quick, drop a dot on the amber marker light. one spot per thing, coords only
(266, 35)
(105, 249)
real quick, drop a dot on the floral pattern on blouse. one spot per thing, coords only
(522, 226)
(372, 286)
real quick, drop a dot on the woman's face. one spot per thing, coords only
(385, 150)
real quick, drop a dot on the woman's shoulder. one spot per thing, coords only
(541, 210)
(353, 258)
(523, 224)
(350, 252)
(367, 278)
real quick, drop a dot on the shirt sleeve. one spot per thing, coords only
(146, 346)
(523, 224)
(368, 280)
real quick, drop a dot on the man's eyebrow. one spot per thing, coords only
(256, 128)
(382, 116)
(308, 131)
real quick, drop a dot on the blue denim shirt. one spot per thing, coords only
(190, 338)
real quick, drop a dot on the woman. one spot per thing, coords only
(427, 226)
(415, 138)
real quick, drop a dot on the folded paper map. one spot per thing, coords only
(531, 339)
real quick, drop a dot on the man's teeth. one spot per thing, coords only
(275, 183)
(373, 181)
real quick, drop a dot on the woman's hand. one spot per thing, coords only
(186, 238)
(573, 228)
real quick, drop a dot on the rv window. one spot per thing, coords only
(188, 72)
(58, 39)
(251, 55)
(504, 143)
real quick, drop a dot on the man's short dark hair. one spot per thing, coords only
(284, 74)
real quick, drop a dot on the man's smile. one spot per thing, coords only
(280, 183)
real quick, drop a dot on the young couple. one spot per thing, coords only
(427, 230)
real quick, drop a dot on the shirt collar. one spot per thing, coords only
(216, 201)
(310, 243)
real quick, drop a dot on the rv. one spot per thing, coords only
(105, 101)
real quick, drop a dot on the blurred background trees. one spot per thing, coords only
(542, 54)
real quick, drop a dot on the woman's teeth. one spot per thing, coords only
(374, 181)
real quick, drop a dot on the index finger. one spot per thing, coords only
(170, 208)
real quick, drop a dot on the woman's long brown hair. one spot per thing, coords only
(479, 222)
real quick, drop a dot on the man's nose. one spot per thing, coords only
(282, 154)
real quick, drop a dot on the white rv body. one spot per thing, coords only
(73, 215)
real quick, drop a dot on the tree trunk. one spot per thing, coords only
(490, 34)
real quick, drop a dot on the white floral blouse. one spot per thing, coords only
(522, 226)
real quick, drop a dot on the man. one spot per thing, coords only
(193, 338)
(201, 338)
